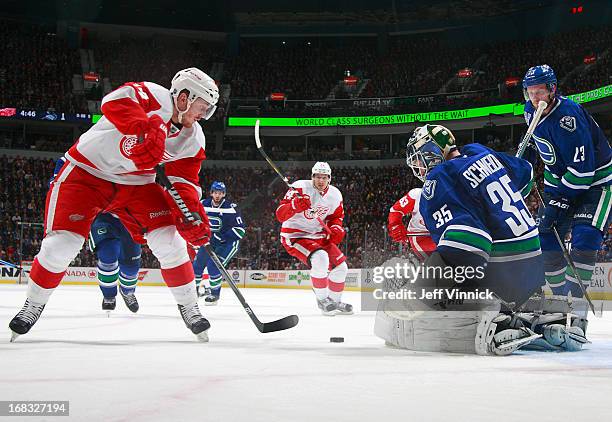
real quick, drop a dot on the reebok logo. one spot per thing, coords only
(157, 214)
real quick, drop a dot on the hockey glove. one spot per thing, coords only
(556, 210)
(398, 232)
(196, 233)
(300, 203)
(148, 153)
(336, 235)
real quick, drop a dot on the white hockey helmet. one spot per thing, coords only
(199, 85)
(321, 168)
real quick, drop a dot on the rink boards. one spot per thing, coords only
(356, 280)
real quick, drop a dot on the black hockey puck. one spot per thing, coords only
(336, 339)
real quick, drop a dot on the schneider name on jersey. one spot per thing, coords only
(474, 203)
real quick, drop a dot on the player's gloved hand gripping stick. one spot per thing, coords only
(263, 327)
(521, 150)
(283, 177)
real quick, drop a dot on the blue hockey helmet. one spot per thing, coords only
(537, 75)
(217, 186)
(428, 146)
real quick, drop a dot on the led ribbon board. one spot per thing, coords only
(400, 119)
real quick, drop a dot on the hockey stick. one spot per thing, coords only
(521, 150)
(263, 327)
(281, 175)
(10, 264)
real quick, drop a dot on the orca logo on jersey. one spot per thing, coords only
(126, 144)
(319, 211)
(428, 189)
(568, 123)
(547, 152)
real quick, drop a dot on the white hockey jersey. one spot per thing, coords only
(326, 206)
(104, 150)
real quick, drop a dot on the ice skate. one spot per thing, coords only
(211, 300)
(343, 308)
(327, 306)
(130, 301)
(203, 291)
(195, 321)
(109, 304)
(25, 319)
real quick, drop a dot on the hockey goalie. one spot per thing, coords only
(486, 243)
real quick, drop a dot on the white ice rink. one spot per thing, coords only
(149, 367)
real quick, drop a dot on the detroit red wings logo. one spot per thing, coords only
(319, 211)
(126, 144)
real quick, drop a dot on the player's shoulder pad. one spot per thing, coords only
(415, 193)
(335, 191)
(207, 201)
(162, 96)
(474, 149)
(228, 204)
(301, 184)
(569, 114)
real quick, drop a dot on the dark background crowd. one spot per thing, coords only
(38, 71)
(368, 194)
(37, 68)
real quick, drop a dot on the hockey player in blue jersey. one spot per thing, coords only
(118, 257)
(118, 261)
(577, 178)
(472, 204)
(227, 230)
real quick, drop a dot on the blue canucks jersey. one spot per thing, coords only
(474, 203)
(574, 149)
(226, 224)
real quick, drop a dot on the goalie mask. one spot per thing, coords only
(428, 146)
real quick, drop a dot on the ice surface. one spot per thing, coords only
(149, 367)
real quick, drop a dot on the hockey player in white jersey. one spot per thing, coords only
(415, 233)
(311, 214)
(111, 168)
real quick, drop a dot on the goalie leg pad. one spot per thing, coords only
(561, 332)
(570, 339)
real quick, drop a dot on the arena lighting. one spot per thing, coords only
(515, 109)
(576, 10)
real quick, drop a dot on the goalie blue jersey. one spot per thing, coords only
(474, 203)
(226, 224)
(574, 149)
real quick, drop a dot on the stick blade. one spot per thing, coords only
(257, 139)
(279, 325)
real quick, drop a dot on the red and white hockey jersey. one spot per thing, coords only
(409, 205)
(326, 205)
(104, 150)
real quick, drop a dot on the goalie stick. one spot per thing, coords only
(263, 327)
(521, 150)
(281, 175)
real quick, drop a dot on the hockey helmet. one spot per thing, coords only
(199, 85)
(538, 75)
(218, 187)
(321, 168)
